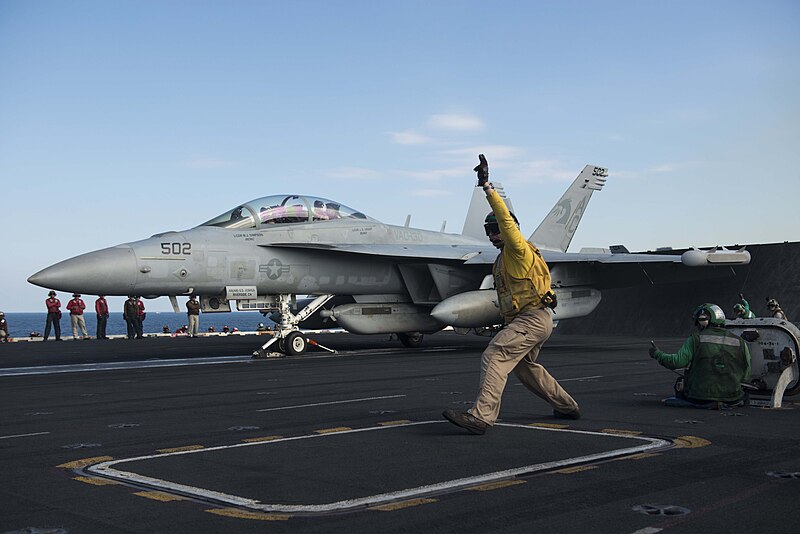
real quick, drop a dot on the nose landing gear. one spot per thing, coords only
(291, 342)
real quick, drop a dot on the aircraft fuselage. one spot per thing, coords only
(206, 260)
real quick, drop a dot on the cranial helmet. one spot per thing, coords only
(738, 308)
(772, 303)
(490, 223)
(715, 315)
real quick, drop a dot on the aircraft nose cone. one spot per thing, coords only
(110, 271)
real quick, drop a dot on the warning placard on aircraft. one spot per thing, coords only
(241, 292)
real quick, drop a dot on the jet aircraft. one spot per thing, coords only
(387, 279)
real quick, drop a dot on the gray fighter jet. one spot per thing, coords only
(393, 279)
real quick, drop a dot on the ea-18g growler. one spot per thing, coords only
(393, 279)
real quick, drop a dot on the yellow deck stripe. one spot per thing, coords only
(159, 496)
(576, 469)
(332, 430)
(96, 481)
(403, 504)
(690, 442)
(265, 438)
(641, 456)
(243, 514)
(621, 432)
(182, 449)
(77, 464)
(496, 485)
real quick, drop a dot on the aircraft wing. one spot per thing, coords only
(485, 255)
(411, 251)
(552, 257)
(475, 255)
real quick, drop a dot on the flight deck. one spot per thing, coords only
(354, 442)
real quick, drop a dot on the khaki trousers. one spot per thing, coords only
(194, 324)
(515, 348)
(78, 325)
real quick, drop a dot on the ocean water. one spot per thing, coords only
(22, 324)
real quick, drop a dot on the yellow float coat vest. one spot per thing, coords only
(518, 294)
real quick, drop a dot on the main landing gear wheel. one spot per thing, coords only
(411, 340)
(294, 344)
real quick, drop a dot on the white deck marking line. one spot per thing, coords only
(105, 469)
(24, 435)
(328, 403)
(114, 366)
(579, 378)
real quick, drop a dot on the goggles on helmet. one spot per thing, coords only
(491, 228)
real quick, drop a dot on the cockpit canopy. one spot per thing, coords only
(283, 209)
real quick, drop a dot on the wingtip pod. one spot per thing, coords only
(715, 256)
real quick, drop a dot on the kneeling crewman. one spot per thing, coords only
(716, 361)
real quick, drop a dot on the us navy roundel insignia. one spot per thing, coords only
(274, 269)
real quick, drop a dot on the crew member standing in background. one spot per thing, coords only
(76, 307)
(53, 316)
(130, 312)
(3, 328)
(101, 308)
(140, 315)
(741, 310)
(775, 309)
(193, 311)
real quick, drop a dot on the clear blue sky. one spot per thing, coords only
(122, 119)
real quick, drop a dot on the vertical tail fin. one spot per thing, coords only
(556, 230)
(479, 209)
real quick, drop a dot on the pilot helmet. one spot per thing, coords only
(490, 225)
(711, 312)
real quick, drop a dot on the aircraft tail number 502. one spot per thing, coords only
(176, 248)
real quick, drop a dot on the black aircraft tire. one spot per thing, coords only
(295, 343)
(412, 340)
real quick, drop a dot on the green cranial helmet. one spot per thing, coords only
(738, 308)
(716, 316)
(490, 224)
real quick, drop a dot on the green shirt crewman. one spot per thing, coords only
(716, 361)
(741, 310)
